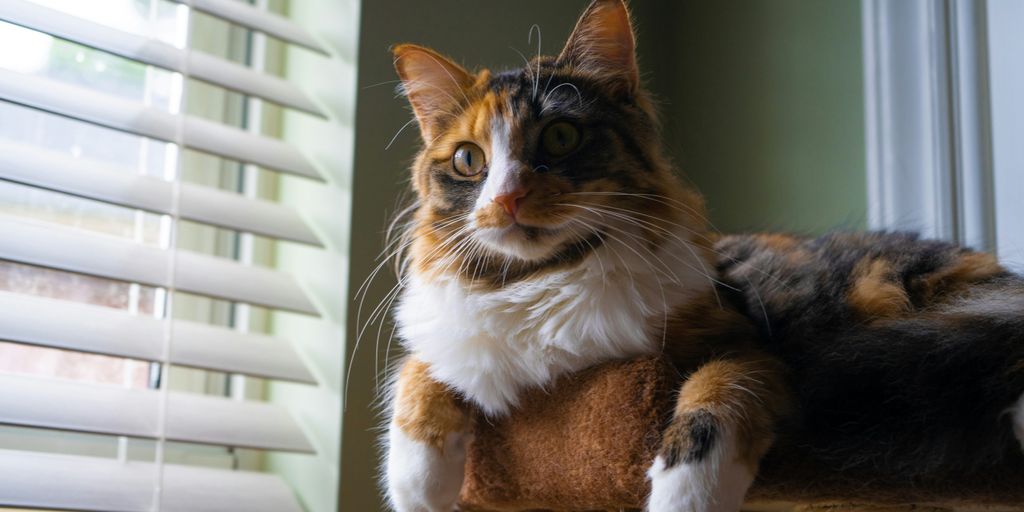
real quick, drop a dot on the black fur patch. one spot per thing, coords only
(689, 438)
(459, 195)
(915, 396)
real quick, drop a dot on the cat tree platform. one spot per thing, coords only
(585, 445)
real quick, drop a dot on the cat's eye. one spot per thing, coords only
(468, 159)
(560, 138)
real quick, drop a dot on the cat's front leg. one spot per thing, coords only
(427, 438)
(723, 424)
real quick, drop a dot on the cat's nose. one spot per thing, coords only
(510, 200)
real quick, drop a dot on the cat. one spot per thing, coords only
(550, 233)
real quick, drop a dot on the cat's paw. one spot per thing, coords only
(422, 477)
(716, 483)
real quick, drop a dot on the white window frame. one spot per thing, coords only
(929, 152)
(939, 118)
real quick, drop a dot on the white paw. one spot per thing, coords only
(421, 478)
(717, 483)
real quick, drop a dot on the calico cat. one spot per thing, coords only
(550, 233)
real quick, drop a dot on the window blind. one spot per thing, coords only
(63, 481)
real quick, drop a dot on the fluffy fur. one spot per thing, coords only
(423, 477)
(717, 484)
(567, 240)
(913, 378)
(490, 344)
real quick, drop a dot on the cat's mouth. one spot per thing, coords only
(523, 241)
(518, 229)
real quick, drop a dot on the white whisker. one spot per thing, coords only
(685, 243)
(399, 132)
(579, 95)
(536, 76)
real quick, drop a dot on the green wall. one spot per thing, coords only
(763, 107)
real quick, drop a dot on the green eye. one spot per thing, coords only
(468, 159)
(560, 138)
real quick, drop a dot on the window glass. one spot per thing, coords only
(49, 58)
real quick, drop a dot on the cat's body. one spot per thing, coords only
(550, 234)
(491, 343)
(907, 355)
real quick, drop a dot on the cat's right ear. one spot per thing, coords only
(603, 46)
(436, 86)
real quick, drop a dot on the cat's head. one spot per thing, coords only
(535, 168)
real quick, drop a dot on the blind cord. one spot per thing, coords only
(175, 210)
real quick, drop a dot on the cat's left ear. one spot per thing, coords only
(603, 45)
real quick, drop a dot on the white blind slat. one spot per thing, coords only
(150, 51)
(37, 480)
(49, 481)
(227, 279)
(219, 208)
(88, 328)
(47, 244)
(85, 407)
(106, 110)
(204, 346)
(252, 17)
(242, 79)
(48, 169)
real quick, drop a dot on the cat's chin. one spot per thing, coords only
(526, 243)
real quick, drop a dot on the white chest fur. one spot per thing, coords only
(490, 345)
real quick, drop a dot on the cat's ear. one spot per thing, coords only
(435, 85)
(602, 45)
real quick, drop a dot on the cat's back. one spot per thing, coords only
(904, 353)
(790, 284)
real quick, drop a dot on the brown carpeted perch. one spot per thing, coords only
(586, 443)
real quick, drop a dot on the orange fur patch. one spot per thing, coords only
(427, 410)
(789, 247)
(779, 242)
(970, 268)
(874, 293)
(473, 124)
(746, 396)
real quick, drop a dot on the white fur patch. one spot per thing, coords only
(716, 484)
(1018, 420)
(421, 478)
(504, 176)
(490, 345)
(501, 176)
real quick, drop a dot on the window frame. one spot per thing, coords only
(928, 119)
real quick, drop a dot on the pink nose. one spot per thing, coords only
(510, 200)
